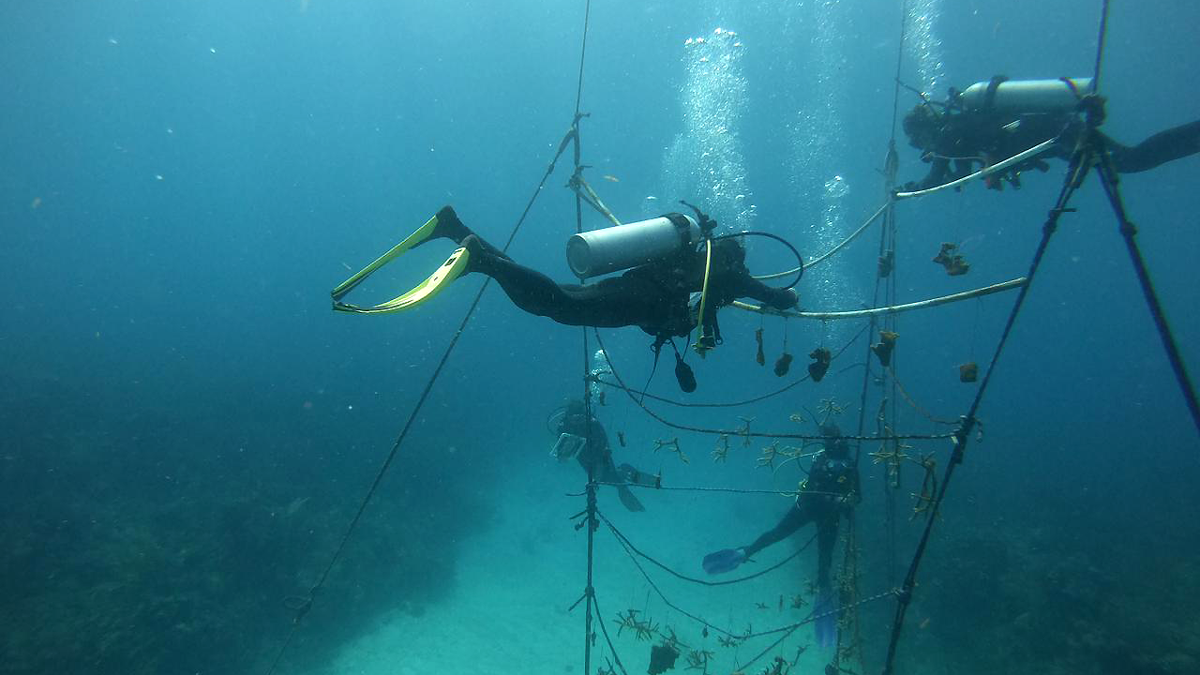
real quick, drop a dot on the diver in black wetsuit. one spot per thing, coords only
(830, 491)
(594, 454)
(654, 296)
(957, 139)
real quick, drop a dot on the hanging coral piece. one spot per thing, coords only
(783, 365)
(955, 264)
(883, 348)
(968, 372)
(760, 357)
(662, 658)
(821, 359)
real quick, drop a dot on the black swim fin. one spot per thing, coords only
(630, 501)
(636, 477)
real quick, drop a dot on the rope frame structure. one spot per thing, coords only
(1088, 154)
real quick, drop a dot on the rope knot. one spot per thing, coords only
(1092, 107)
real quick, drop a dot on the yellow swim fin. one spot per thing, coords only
(446, 273)
(453, 268)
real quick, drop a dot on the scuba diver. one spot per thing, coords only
(666, 260)
(831, 490)
(992, 121)
(583, 438)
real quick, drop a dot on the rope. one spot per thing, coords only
(633, 550)
(1109, 181)
(305, 603)
(752, 434)
(821, 258)
(769, 649)
(963, 435)
(756, 399)
(685, 488)
(1078, 167)
(1103, 35)
(589, 590)
(899, 63)
(789, 629)
(585, 192)
(894, 309)
(663, 596)
(853, 235)
(912, 402)
(607, 637)
(984, 172)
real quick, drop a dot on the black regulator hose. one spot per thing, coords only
(785, 242)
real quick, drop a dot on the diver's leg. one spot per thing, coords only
(795, 518)
(529, 289)
(826, 540)
(824, 610)
(1165, 146)
(608, 303)
(449, 226)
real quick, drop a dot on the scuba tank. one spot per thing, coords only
(1026, 96)
(612, 249)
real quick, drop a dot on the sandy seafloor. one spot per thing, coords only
(508, 611)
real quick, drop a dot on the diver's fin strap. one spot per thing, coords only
(989, 97)
(423, 233)
(454, 267)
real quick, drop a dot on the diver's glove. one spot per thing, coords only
(790, 298)
(784, 298)
(723, 561)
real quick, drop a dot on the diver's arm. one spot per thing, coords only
(793, 520)
(939, 170)
(778, 298)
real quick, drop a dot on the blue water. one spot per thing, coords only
(187, 429)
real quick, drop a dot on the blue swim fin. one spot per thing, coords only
(723, 561)
(825, 623)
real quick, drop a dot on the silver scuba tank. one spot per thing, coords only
(1031, 96)
(617, 248)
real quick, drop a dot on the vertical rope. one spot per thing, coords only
(899, 62)
(1100, 45)
(887, 245)
(963, 435)
(591, 523)
(888, 248)
(892, 323)
(1108, 179)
